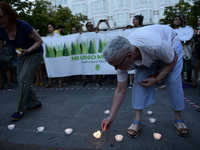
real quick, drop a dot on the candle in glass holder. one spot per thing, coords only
(11, 126)
(152, 120)
(119, 137)
(68, 130)
(149, 112)
(97, 134)
(40, 129)
(157, 136)
(107, 112)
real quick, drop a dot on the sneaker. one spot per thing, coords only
(86, 84)
(130, 86)
(34, 108)
(99, 84)
(17, 116)
(186, 86)
(9, 87)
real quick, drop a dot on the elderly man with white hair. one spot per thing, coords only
(142, 50)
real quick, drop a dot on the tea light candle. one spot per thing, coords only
(119, 137)
(68, 130)
(40, 129)
(107, 112)
(97, 134)
(149, 112)
(152, 120)
(157, 136)
(11, 126)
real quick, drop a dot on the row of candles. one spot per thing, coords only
(97, 134)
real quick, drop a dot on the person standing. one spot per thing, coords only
(196, 53)
(137, 22)
(142, 53)
(23, 36)
(90, 28)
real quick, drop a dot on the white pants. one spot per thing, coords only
(144, 96)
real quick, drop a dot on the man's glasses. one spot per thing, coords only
(118, 66)
(177, 19)
(90, 25)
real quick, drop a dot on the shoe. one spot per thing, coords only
(86, 84)
(135, 133)
(9, 87)
(198, 108)
(17, 116)
(48, 86)
(99, 84)
(37, 83)
(186, 86)
(41, 83)
(60, 86)
(1, 87)
(179, 131)
(130, 86)
(194, 84)
(110, 82)
(163, 87)
(34, 108)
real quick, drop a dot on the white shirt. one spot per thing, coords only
(155, 43)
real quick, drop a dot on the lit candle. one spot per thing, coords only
(40, 129)
(11, 126)
(107, 112)
(97, 134)
(68, 130)
(157, 136)
(149, 112)
(119, 137)
(152, 120)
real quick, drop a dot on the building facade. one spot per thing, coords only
(119, 13)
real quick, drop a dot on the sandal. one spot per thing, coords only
(135, 133)
(180, 131)
(48, 86)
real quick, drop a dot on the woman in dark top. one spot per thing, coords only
(21, 35)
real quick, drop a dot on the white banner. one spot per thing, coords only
(79, 54)
(82, 54)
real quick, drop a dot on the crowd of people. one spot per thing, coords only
(27, 68)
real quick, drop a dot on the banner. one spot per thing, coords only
(82, 54)
(79, 54)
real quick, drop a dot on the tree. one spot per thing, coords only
(40, 12)
(195, 13)
(181, 7)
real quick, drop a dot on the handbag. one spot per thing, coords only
(6, 54)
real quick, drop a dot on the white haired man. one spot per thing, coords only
(142, 50)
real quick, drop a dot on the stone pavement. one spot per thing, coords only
(83, 110)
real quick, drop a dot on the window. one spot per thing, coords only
(148, 16)
(161, 13)
(80, 8)
(120, 4)
(99, 6)
(121, 19)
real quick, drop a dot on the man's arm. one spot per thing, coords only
(116, 104)
(164, 72)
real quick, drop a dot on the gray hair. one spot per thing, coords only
(116, 48)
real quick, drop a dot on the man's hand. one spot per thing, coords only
(148, 82)
(105, 124)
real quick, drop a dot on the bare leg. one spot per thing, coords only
(178, 115)
(137, 117)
